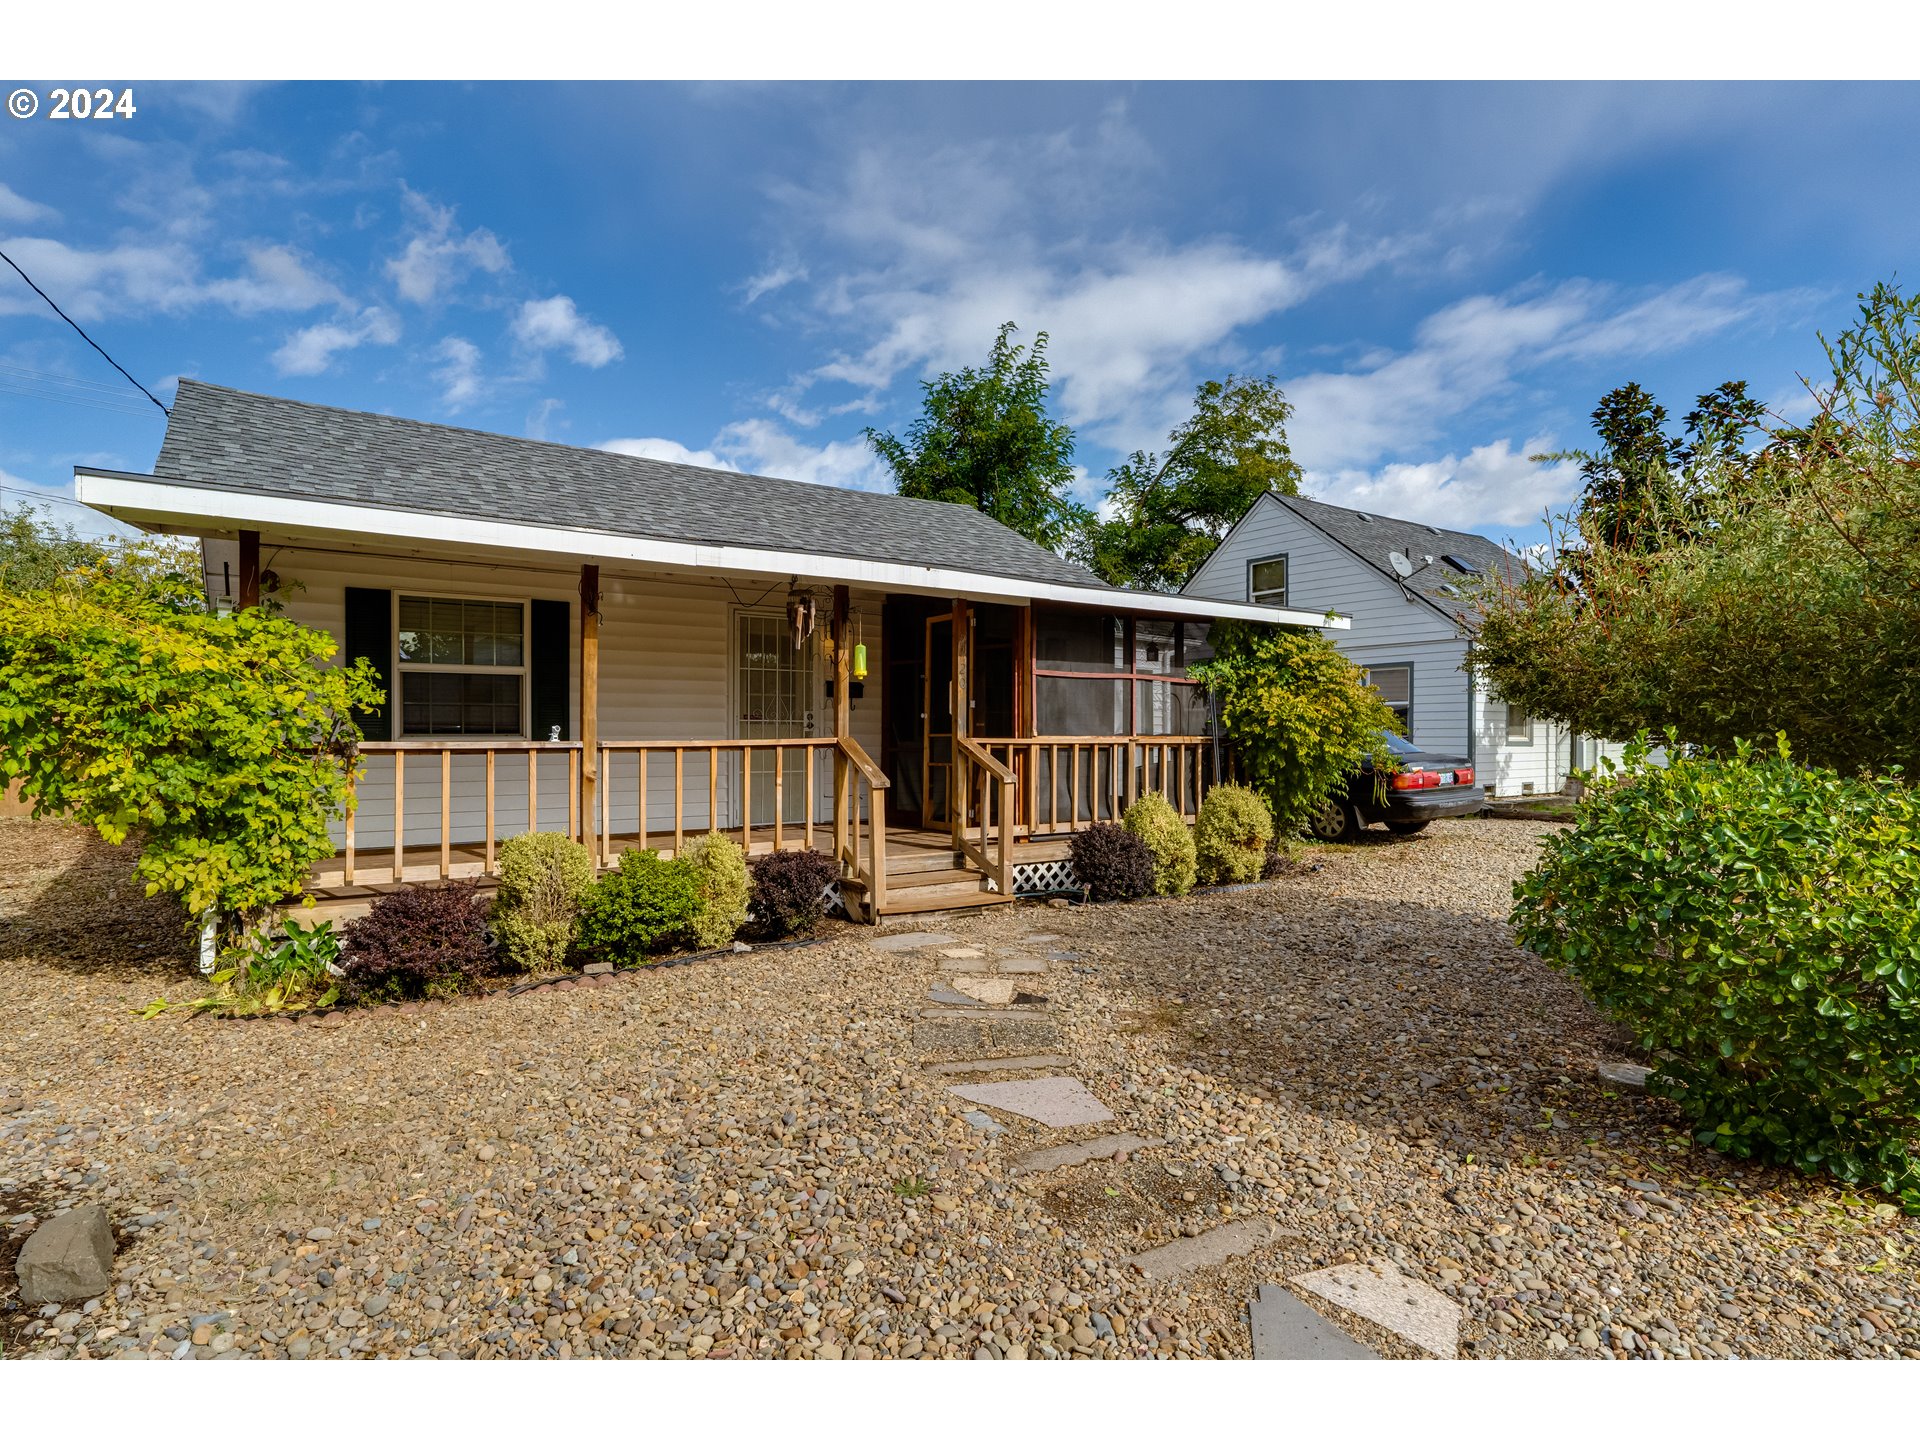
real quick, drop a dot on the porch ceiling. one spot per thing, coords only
(166, 507)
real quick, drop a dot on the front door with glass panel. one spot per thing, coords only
(936, 708)
(776, 697)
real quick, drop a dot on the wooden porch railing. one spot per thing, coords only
(441, 755)
(708, 758)
(865, 880)
(1065, 782)
(984, 803)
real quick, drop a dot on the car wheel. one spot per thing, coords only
(1407, 827)
(1335, 820)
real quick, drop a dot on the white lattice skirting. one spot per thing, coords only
(1043, 877)
(835, 902)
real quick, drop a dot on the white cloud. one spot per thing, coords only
(1493, 484)
(277, 278)
(540, 418)
(774, 277)
(16, 209)
(459, 372)
(438, 255)
(91, 284)
(311, 351)
(557, 324)
(1476, 349)
(654, 447)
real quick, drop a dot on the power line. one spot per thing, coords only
(83, 334)
(40, 495)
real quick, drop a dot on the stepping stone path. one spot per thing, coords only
(1286, 1328)
(1210, 1247)
(1059, 1157)
(1057, 1101)
(1378, 1292)
(973, 1006)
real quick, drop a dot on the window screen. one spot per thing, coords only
(1395, 684)
(461, 666)
(441, 702)
(1267, 581)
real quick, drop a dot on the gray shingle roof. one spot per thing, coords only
(1375, 537)
(233, 440)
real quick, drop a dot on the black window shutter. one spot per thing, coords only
(548, 669)
(370, 637)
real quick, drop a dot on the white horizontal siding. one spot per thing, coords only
(1322, 575)
(1441, 688)
(665, 674)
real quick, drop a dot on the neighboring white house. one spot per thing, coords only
(1403, 584)
(632, 652)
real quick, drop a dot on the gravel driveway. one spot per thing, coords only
(746, 1157)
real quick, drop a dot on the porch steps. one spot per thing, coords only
(924, 903)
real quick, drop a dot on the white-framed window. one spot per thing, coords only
(1267, 580)
(1395, 684)
(1519, 725)
(461, 665)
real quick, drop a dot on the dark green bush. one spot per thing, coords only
(644, 907)
(421, 940)
(1112, 862)
(789, 892)
(1755, 921)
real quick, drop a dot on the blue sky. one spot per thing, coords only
(1444, 277)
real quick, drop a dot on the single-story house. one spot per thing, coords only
(632, 651)
(1405, 586)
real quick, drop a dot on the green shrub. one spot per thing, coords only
(644, 907)
(1112, 862)
(543, 879)
(1155, 821)
(1231, 835)
(724, 888)
(1753, 921)
(789, 891)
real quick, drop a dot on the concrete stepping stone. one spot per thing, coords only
(941, 993)
(1196, 1252)
(1285, 1327)
(1059, 1157)
(1058, 1101)
(911, 940)
(1007, 1062)
(980, 1120)
(1022, 965)
(1377, 1291)
(984, 1029)
(986, 989)
(1624, 1074)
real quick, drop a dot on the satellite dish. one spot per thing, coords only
(1402, 566)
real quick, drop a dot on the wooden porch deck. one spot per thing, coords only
(923, 874)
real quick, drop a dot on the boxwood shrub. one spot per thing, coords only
(1112, 862)
(1153, 818)
(725, 886)
(646, 906)
(1231, 834)
(1753, 921)
(543, 880)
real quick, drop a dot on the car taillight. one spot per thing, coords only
(1463, 776)
(1415, 780)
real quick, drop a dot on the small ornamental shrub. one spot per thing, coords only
(644, 907)
(1112, 862)
(725, 888)
(789, 892)
(543, 879)
(422, 940)
(1753, 921)
(1231, 835)
(1155, 821)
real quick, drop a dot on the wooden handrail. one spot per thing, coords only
(971, 748)
(863, 762)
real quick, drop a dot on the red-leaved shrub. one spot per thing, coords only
(422, 940)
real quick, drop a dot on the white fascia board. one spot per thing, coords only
(199, 510)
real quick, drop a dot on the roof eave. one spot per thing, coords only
(167, 506)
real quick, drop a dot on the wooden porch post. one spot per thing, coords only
(590, 704)
(957, 788)
(249, 569)
(844, 791)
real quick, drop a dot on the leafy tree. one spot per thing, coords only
(1788, 603)
(221, 743)
(984, 439)
(1297, 712)
(1171, 511)
(35, 553)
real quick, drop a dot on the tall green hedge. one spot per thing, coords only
(1755, 922)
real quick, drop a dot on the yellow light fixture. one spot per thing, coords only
(859, 662)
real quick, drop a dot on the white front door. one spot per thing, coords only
(776, 697)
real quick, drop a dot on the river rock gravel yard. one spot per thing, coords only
(749, 1157)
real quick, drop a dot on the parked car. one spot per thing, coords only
(1423, 787)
